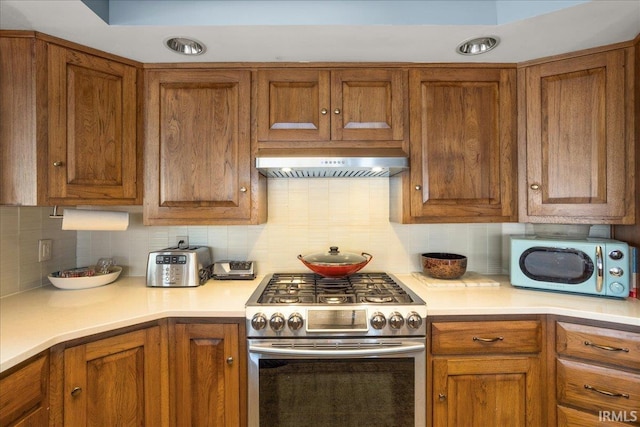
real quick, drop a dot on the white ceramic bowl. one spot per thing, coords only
(85, 282)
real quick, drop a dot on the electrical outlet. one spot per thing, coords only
(182, 241)
(44, 249)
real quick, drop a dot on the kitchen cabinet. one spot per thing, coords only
(463, 147)
(206, 372)
(597, 373)
(360, 108)
(198, 149)
(577, 141)
(486, 372)
(117, 380)
(24, 393)
(68, 124)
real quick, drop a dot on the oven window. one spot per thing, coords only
(345, 392)
(570, 266)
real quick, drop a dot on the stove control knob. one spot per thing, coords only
(378, 320)
(277, 322)
(396, 321)
(258, 321)
(295, 321)
(414, 320)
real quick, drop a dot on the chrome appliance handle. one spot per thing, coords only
(600, 267)
(336, 349)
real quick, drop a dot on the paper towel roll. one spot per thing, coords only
(81, 219)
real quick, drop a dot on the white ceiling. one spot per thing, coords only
(596, 23)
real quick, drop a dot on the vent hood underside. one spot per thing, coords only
(324, 163)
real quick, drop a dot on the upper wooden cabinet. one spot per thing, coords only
(577, 144)
(68, 128)
(347, 107)
(463, 147)
(198, 149)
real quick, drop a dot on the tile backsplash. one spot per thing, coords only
(305, 216)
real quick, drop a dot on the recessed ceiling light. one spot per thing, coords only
(477, 46)
(185, 46)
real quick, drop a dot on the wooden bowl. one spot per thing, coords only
(442, 265)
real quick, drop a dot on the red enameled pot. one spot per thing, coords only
(335, 263)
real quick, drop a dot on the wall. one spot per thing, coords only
(20, 230)
(305, 216)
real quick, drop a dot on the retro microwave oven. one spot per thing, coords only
(590, 266)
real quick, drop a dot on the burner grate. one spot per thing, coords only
(301, 288)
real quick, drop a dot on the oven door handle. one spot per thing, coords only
(357, 349)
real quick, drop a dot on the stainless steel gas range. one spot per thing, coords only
(326, 352)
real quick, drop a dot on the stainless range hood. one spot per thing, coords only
(331, 163)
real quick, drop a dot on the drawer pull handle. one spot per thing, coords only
(606, 393)
(488, 339)
(606, 347)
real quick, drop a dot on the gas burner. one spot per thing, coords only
(288, 299)
(335, 299)
(378, 299)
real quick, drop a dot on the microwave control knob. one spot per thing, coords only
(616, 288)
(396, 321)
(414, 320)
(277, 322)
(616, 271)
(258, 321)
(295, 321)
(378, 320)
(616, 255)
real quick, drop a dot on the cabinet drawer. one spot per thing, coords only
(499, 336)
(568, 417)
(601, 345)
(595, 388)
(23, 393)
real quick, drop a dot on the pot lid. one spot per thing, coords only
(334, 257)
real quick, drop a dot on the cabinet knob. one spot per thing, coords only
(324, 111)
(336, 111)
(535, 186)
(56, 164)
(243, 189)
(418, 187)
(229, 360)
(442, 397)
(76, 391)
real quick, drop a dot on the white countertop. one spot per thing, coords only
(33, 321)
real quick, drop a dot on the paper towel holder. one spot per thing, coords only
(55, 213)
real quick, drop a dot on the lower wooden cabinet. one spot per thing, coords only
(24, 393)
(205, 373)
(115, 381)
(597, 374)
(486, 373)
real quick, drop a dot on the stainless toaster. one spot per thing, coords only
(179, 267)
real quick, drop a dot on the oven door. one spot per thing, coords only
(337, 382)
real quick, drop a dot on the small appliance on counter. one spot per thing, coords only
(234, 270)
(179, 267)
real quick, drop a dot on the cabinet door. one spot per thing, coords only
(115, 381)
(207, 375)
(24, 397)
(293, 105)
(92, 129)
(367, 105)
(497, 391)
(577, 161)
(463, 163)
(197, 151)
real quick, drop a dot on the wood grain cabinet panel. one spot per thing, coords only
(463, 147)
(116, 381)
(577, 154)
(198, 152)
(486, 372)
(206, 371)
(24, 394)
(346, 108)
(68, 124)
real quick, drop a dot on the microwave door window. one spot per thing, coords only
(569, 266)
